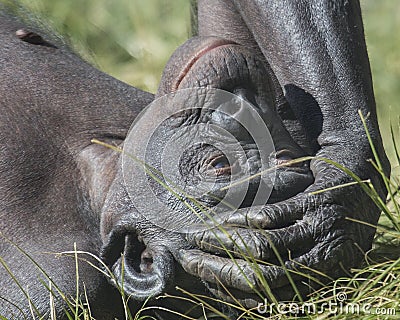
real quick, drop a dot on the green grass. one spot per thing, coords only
(382, 19)
(132, 40)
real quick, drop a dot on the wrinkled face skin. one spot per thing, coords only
(217, 151)
(211, 62)
(204, 141)
(216, 154)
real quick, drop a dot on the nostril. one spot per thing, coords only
(132, 251)
(146, 264)
(131, 247)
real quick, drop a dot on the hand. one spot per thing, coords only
(306, 237)
(325, 74)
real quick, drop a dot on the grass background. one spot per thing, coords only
(132, 40)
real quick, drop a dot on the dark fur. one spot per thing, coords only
(53, 180)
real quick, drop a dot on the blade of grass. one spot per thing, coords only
(24, 292)
(368, 188)
(52, 306)
(377, 161)
(258, 174)
(349, 184)
(87, 303)
(394, 143)
(392, 193)
(39, 268)
(15, 306)
(76, 282)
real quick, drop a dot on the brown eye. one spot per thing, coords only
(219, 163)
(283, 159)
(219, 166)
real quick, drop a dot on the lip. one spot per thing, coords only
(215, 43)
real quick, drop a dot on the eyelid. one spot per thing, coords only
(219, 159)
(210, 168)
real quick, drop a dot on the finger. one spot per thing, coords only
(271, 216)
(237, 274)
(320, 263)
(256, 244)
(329, 259)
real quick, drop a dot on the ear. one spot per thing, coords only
(98, 167)
(139, 271)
